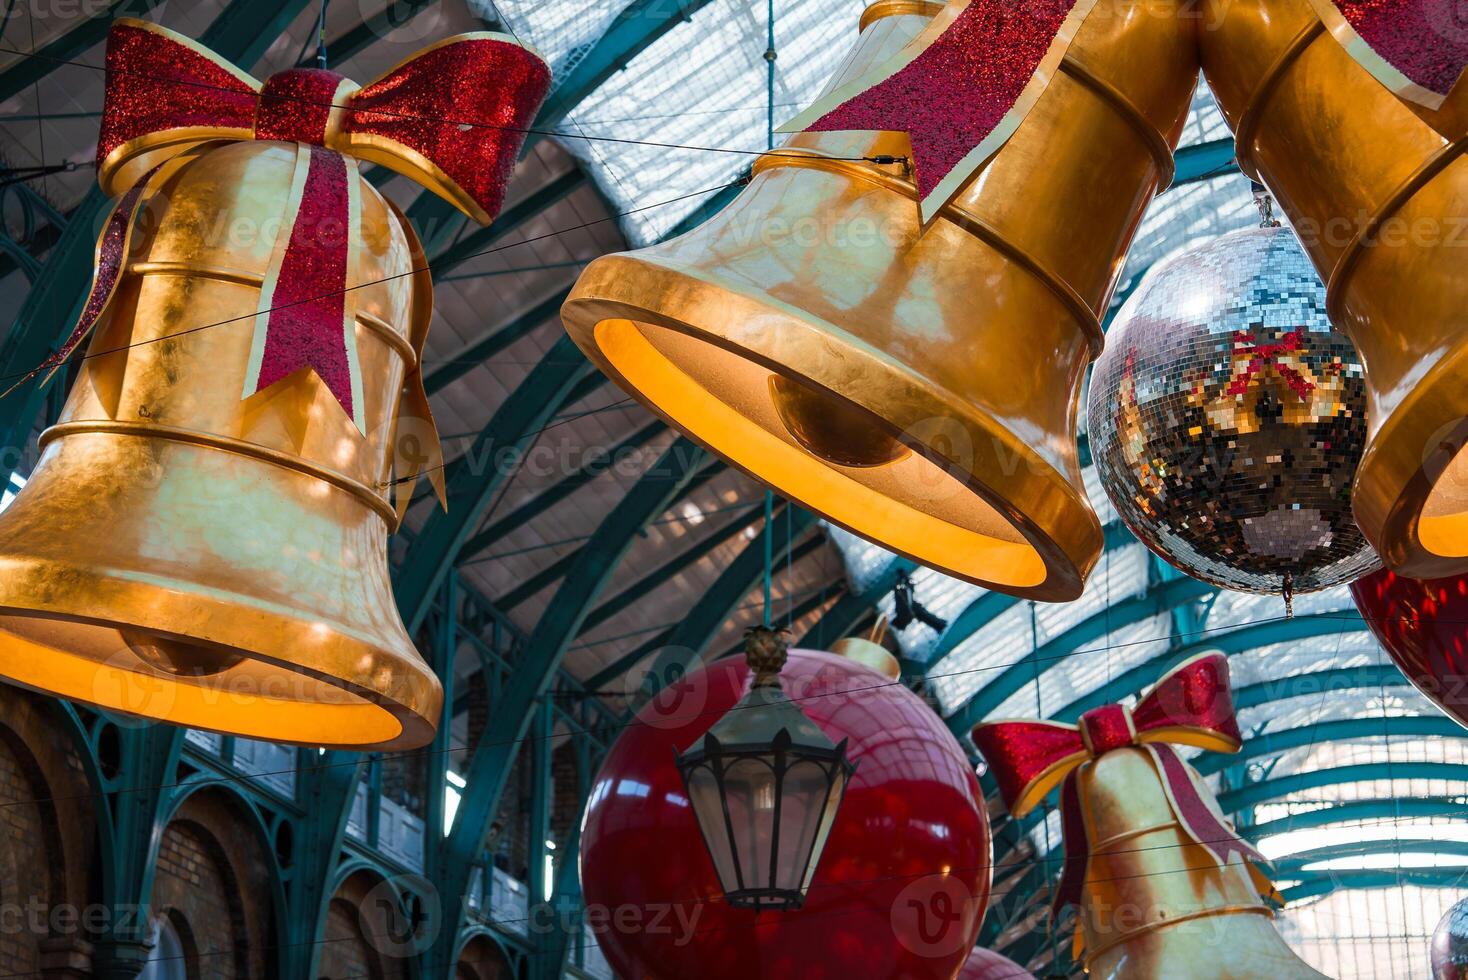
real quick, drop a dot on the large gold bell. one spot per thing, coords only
(1156, 906)
(1377, 189)
(917, 387)
(180, 554)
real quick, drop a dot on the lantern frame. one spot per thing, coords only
(765, 728)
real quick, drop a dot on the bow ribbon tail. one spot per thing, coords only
(109, 263)
(1198, 819)
(307, 310)
(1403, 44)
(959, 90)
(1077, 848)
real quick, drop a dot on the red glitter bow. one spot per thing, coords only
(1259, 356)
(959, 90)
(1191, 705)
(452, 118)
(1416, 48)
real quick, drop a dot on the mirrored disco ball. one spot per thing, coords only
(1450, 944)
(1227, 417)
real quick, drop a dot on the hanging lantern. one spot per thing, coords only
(902, 883)
(889, 339)
(1227, 417)
(1423, 626)
(765, 784)
(1164, 886)
(1348, 111)
(204, 538)
(1450, 944)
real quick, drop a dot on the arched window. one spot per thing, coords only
(169, 960)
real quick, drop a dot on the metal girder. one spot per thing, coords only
(549, 497)
(463, 361)
(1326, 732)
(507, 221)
(328, 784)
(1425, 808)
(1154, 601)
(847, 611)
(558, 568)
(672, 567)
(708, 614)
(348, 45)
(687, 641)
(1296, 864)
(241, 34)
(1202, 161)
(471, 489)
(638, 26)
(549, 959)
(1322, 883)
(1272, 789)
(92, 31)
(489, 766)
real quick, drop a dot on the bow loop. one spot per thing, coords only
(1190, 705)
(451, 117)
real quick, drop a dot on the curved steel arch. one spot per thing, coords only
(498, 744)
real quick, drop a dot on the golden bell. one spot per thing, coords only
(1378, 192)
(869, 654)
(1156, 906)
(183, 555)
(917, 387)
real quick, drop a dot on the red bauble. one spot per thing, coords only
(902, 884)
(985, 964)
(1423, 624)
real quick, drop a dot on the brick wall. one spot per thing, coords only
(358, 935)
(24, 859)
(483, 959)
(219, 894)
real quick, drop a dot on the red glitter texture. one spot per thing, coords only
(295, 105)
(958, 90)
(1194, 696)
(154, 83)
(111, 261)
(1106, 728)
(305, 327)
(1423, 626)
(466, 106)
(1425, 40)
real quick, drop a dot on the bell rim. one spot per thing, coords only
(1393, 480)
(1068, 543)
(411, 701)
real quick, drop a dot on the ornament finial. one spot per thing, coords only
(765, 652)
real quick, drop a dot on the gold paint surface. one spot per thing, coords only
(873, 655)
(963, 347)
(1156, 906)
(1378, 190)
(182, 555)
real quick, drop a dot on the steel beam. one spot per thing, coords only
(470, 490)
(1012, 678)
(90, 32)
(489, 767)
(1297, 782)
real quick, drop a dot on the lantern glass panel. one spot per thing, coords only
(750, 790)
(803, 805)
(708, 807)
(838, 776)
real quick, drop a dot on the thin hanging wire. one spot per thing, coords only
(321, 35)
(770, 145)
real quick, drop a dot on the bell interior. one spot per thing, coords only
(823, 450)
(1443, 526)
(202, 685)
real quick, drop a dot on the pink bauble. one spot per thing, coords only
(985, 964)
(901, 887)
